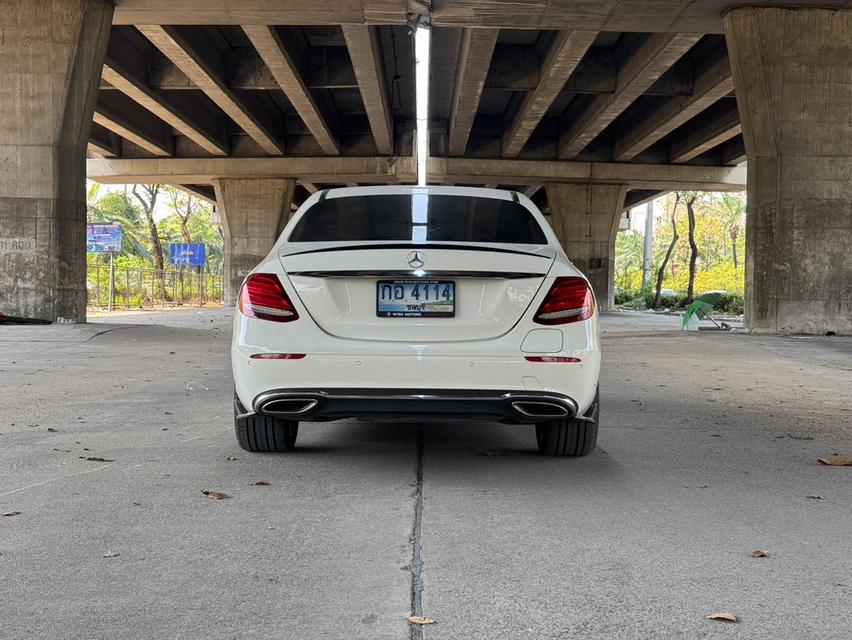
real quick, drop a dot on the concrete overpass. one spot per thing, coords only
(587, 107)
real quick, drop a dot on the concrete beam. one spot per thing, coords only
(196, 57)
(563, 56)
(661, 177)
(124, 69)
(368, 62)
(651, 58)
(638, 197)
(331, 170)
(733, 151)
(124, 117)
(530, 190)
(262, 12)
(711, 84)
(477, 46)
(323, 67)
(104, 142)
(271, 48)
(717, 125)
(200, 191)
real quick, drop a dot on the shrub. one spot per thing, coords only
(730, 304)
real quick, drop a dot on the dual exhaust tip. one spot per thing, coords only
(534, 409)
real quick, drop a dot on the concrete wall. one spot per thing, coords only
(792, 71)
(51, 52)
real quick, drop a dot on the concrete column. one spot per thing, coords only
(585, 218)
(51, 53)
(793, 82)
(254, 212)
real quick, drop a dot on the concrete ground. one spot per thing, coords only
(708, 451)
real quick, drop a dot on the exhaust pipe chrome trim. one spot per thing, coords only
(539, 409)
(288, 406)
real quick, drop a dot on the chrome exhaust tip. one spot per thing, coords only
(288, 406)
(539, 409)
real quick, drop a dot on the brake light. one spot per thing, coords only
(263, 297)
(569, 300)
(550, 359)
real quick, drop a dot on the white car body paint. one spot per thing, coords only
(484, 347)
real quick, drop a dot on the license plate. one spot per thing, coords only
(415, 299)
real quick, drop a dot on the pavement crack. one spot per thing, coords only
(417, 541)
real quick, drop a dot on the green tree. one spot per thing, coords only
(661, 272)
(191, 220)
(146, 195)
(731, 209)
(117, 207)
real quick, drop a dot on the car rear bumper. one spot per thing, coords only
(400, 405)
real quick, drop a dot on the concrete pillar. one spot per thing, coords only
(585, 218)
(254, 212)
(51, 53)
(793, 82)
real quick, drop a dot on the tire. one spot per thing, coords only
(264, 433)
(569, 437)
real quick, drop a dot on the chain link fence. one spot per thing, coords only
(140, 288)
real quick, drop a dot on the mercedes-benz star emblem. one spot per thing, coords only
(416, 259)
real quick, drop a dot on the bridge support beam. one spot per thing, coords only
(794, 91)
(585, 218)
(50, 68)
(254, 212)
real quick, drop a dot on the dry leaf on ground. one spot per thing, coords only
(759, 554)
(419, 620)
(261, 483)
(97, 459)
(111, 554)
(836, 461)
(9, 514)
(230, 458)
(216, 495)
(723, 615)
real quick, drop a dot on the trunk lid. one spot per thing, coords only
(494, 286)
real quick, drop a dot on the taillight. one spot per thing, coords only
(263, 297)
(569, 300)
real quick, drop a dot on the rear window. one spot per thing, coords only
(418, 218)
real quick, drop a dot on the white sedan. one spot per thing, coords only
(417, 304)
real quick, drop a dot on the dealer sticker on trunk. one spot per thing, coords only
(415, 299)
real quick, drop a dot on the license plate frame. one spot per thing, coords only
(387, 309)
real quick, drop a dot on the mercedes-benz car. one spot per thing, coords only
(417, 304)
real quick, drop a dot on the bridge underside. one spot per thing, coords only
(630, 99)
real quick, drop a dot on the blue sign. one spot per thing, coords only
(189, 255)
(103, 237)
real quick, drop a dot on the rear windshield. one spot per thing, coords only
(418, 218)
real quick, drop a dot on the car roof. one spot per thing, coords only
(477, 192)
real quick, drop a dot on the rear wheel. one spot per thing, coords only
(569, 437)
(263, 433)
